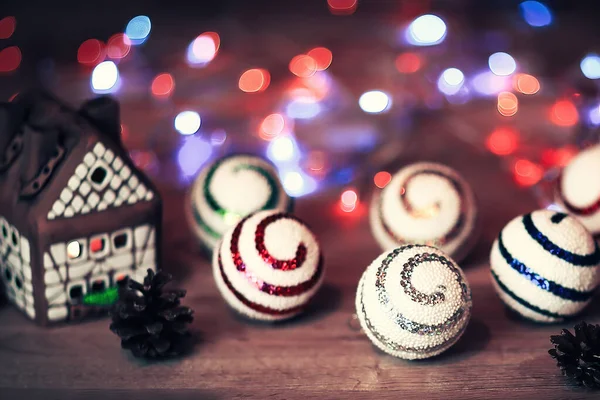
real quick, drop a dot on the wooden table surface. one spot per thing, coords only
(319, 355)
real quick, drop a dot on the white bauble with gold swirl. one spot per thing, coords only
(269, 266)
(425, 203)
(229, 189)
(413, 302)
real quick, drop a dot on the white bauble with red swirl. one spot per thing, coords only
(425, 203)
(229, 189)
(268, 266)
(413, 302)
(578, 188)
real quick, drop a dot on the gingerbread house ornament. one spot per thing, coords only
(76, 215)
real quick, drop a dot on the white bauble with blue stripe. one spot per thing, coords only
(545, 266)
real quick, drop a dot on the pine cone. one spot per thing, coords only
(579, 356)
(151, 323)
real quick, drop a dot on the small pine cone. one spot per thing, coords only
(151, 322)
(578, 356)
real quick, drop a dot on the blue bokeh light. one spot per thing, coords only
(535, 13)
(192, 155)
(590, 66)
(138, 29)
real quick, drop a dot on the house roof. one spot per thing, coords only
(48, 150)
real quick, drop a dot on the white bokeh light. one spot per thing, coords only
(450, 81)
(187, 122)
(374, 102)
(590, 66)
(502, 64)
(281, 148)
(426, 30)
(105, 77)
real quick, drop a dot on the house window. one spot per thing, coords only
(76, 292)
(74, 250)
(15, 240)
(100, 175)
(4, 231)
(98, 286)
(97, 245)
(18, 282)
(120, 240)
(8, 274)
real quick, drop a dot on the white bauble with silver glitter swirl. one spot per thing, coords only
(545, 266)
(425, 203)
(229, 189)
(413, 302)
(578, 188)
(269, 266)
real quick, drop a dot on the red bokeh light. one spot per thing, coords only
(502, 141)
(271, 126)
(527, 84)
(322, 57)
(342, 7)
(91, 52)
(163, 85)
(7, 27)
(382, 178)
(527, 173)
(10, 59)
(254, 80)
(564, 113)
(558, 157)
(118, 46)
(303, 66)
(408, 63)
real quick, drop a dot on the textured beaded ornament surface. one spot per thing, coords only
(425, 203)
(269, 266)
(228, 190)
(413, 302)
(578, 188)
(544, 265)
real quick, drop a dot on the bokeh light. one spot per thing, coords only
(303, 107)
(348, 200)
(374, 102)
(118, 46)
(91, 52)
(382, 178)
(594, 115)
(192, 155)
(7, 27)
(502, 64)
(204, 48)
(218, 137)
(488, 84)
(271, 126)
(303, 66)
(590, 66)
(564, 113)
(10, 59)
(527, 173)
(342, 7)
(254, 80)
(408, 63)
(187, 122)
(282, 148)
(163, 85)
(527, 84)
(450, 81)
(535, 13)
(559, 157)
(508, 105)
(502, 141)
(426, 30)
(322, 57)
(138, 29)
(105, 77)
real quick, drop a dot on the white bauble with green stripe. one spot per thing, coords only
(229, 189)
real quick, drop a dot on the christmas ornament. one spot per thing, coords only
(413, 302)
(228, 190)
(578, 356)
(425, 203)
(269, 266)
(149, 320)
(578, 188)
(76, 215)
(545, 266)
